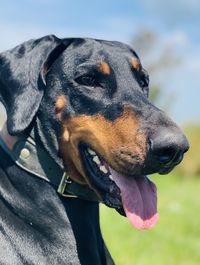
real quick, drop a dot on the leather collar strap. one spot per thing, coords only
(33, 159)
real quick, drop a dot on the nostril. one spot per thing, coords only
(167, 147)
(165, 155)
(179, 158)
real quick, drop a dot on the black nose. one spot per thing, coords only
(168, 146)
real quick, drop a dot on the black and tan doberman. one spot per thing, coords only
(80, 130)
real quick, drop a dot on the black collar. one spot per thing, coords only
(35, 160)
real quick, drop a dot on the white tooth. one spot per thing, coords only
(96, 160)
(103, 169)
(110, 177)
(91, 152)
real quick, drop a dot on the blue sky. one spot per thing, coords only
(176, 22)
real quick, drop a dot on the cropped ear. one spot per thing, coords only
(21, 89)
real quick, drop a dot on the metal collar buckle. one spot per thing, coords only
(62, 186)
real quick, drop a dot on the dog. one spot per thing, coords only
(80, 130)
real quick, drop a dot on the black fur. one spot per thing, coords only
(37, 226)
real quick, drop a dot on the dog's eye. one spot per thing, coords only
(144, 80)
(86, 80)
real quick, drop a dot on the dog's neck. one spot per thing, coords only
(8, 139)
(34, 159)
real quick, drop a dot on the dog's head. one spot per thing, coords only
(90, 100)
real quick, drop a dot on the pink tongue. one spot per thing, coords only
(139, 199)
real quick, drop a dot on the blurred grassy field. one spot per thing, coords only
(175, 240)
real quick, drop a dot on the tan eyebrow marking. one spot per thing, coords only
(136, 64)
(60, 104)
(104, 68)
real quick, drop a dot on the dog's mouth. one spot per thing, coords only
(135, 197)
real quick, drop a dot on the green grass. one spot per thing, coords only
(175, 240)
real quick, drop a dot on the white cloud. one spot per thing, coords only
(173, 13)
(178, 38)
(182, 5)
(191, 5)
(113, 28)
(12, 34)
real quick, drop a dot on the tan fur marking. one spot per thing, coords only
(66, 135)
(136, 64)
(104, 68)
(60, 104)
(119, 142)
